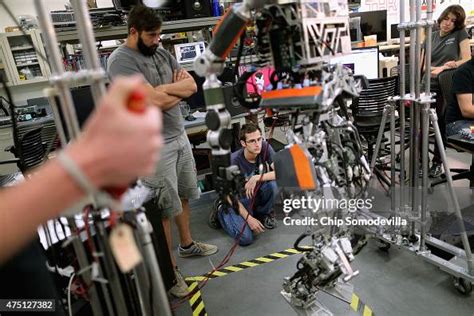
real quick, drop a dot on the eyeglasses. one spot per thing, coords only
(254, 141)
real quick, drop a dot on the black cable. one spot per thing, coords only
(16, 141)
(229, 254)
(239, 54)
(2, 107)
(63, 228)
(10, 14)
(241, 83)
(297, 243)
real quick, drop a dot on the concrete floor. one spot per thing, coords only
(390, 283)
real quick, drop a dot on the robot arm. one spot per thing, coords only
(227, 178)
(308, 86)
(226, 34)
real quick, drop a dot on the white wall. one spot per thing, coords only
(393, 8)
(26, 7)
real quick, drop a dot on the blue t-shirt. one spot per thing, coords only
(249, 169)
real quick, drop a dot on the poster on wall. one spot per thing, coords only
(392, 7)
(373, 5)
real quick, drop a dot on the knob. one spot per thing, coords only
(197, 5)
(212, 120)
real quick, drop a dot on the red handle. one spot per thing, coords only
(135, 103)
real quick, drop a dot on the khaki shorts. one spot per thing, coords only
(175, 177)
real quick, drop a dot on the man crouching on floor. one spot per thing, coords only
(254, 152)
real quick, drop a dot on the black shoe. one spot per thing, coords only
(213, 220)
(435, 170)
(269, 222)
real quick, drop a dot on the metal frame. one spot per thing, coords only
(102, 271)
(415, 208)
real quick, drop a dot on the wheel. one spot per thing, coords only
(462, 285)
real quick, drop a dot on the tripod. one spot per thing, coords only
(421, 118)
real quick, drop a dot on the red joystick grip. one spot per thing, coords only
(135, 103)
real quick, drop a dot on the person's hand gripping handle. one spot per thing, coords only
(136, 104)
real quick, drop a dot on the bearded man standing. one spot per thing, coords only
(175, 179)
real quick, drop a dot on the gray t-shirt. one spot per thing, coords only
(446, 48)
(157, 70)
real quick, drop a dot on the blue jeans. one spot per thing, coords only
(454, 128)
(232, 223)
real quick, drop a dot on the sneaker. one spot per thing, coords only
(213, 220)
(181, 288)
(269, 222)
(197, 249)
(435, 170)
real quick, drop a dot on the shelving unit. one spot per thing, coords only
(75, 60)
(4, 71)
(22, 65)
(21, 58)
(118, 32)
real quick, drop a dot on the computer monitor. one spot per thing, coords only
(362, 61)
(160, 4)
(373, 23)
(125, 5)
(83, 104)
(188, 52)
(394, 34)
(196, 101)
